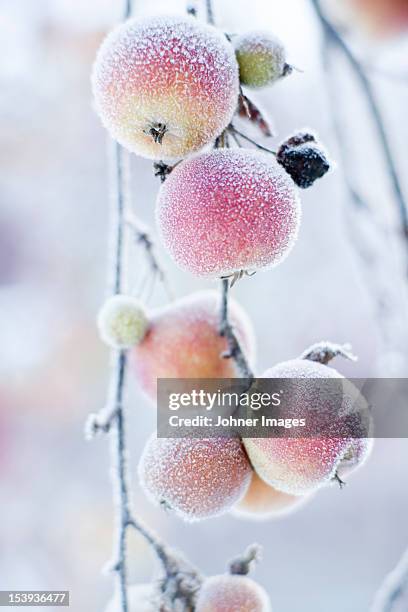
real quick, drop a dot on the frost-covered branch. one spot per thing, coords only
(365, 229)
(332, 37)
(142, 237)
(210, 12)
(394, 587)
(234, 348)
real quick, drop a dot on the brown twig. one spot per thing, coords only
(231, 128)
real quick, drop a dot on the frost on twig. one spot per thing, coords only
(226, 330)
(332, 38)
(393, 594)
(102, 421)
(324, 352)
(142, 237)
(181, 581)
(242, 565)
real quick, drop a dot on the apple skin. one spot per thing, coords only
(196, 478)
(228, 210)
(335, 445)
(261, 58)
(172, 74)
(263, 502)
(183, 341)
(225, 593)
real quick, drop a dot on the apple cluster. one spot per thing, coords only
(221, 593)
(168, 88)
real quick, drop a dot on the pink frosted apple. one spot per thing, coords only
(228, 210)
(197, 478)
(229, 593)
(165, 86)
(262, 501)
(382, 17)
(183, 341)
(337, 418)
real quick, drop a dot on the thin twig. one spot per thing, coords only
(234, 130)
(393, 588)
(210, 12)
(121, 477)
(128, 9)
(364, 219)
(235, 351)
(336, 38)
(115, 414)
(143, 238)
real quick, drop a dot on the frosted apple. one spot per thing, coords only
(262, 501)
(122, 321)
(383, 17)
(228, 593)
(228, 210)
(337, 420)
(183, 341)
(197, 478)
(261, 58)
(165, 86)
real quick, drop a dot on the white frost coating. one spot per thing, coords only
(142, 598)
(197, 478)
(228, 210)
(122, 322)
(261, 58)
(337, 421)
(227, 593)
(166, 70)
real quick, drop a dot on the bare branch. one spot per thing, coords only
(394, 587)
(210, 12)
(335, 38)
(234, 348)
(143, 238)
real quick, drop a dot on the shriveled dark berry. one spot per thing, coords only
(304, 159)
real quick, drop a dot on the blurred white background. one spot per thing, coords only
(55, 496)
